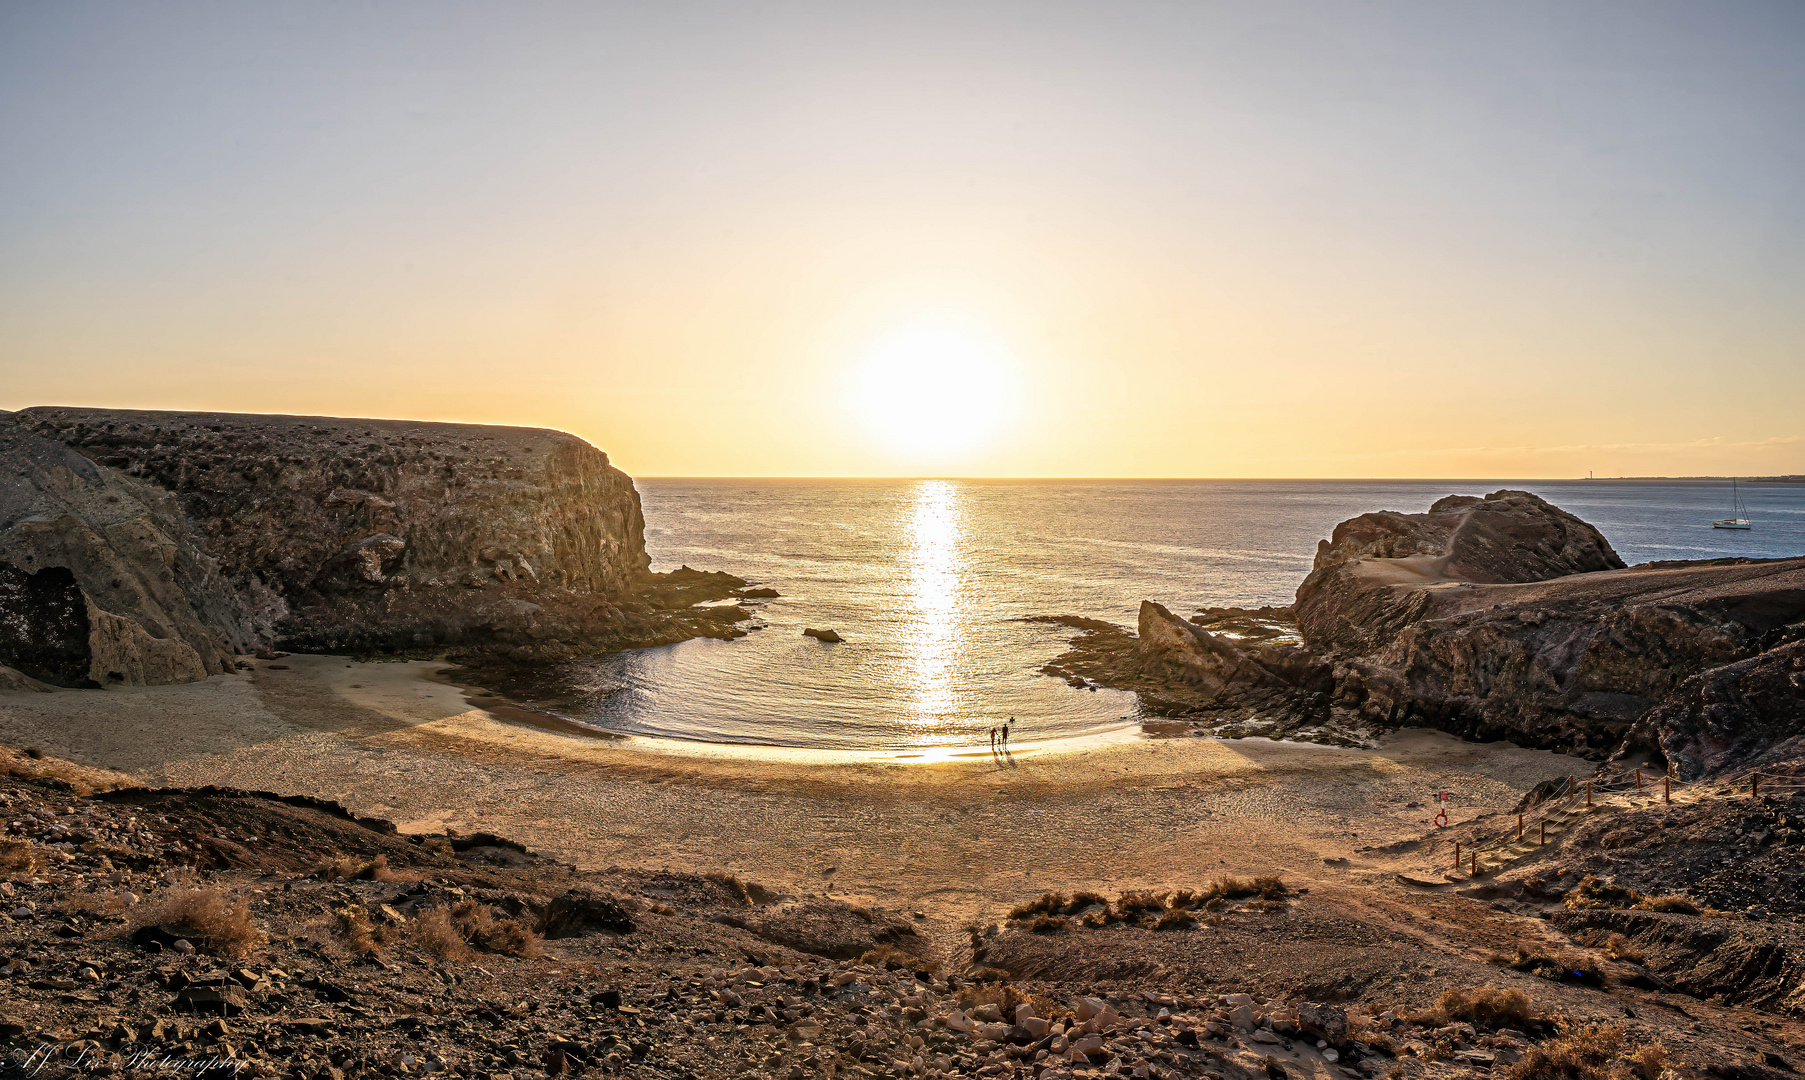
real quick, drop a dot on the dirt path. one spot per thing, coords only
(959, 840)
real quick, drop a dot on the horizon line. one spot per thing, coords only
(1776, 478)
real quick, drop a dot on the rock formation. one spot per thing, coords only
(1368, 578)
(1729, 717)
(193, 536)
(102, 580)
(1494, 618)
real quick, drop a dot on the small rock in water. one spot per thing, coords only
(822, 635)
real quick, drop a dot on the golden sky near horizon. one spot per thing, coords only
(1285, 240)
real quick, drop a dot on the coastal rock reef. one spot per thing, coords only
(153, 547)
(1501, 617)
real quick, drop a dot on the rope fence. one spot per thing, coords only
(1581, 797)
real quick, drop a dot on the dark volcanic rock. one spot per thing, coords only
(1362, 586)
(1730, 716)
(1494, 618)
(580, 910)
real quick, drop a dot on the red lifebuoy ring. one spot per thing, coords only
(1441, 820)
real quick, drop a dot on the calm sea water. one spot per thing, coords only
(929, 581)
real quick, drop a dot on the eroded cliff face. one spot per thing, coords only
(345, 535)
(102, 580)
(1495, 618)
(1368, 578)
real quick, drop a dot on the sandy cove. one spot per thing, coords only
(959, 839)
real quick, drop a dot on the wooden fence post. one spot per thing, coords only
(1519, 828)
(1457, 855)
(1588, 793)
(1544, 832)
(1638, 779)
(1667, 788)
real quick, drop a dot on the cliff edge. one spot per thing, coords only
(217, 533)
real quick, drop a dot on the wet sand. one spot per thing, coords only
(957, 838)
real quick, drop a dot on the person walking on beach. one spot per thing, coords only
(1006, 731)
(993, 738)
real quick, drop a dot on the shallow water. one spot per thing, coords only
(930, 580)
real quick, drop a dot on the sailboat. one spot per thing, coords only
(1739, 519)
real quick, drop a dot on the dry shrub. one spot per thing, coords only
(1649, 1061)
(1131, 905)
(1487, 1006)
(432, 931)
(1577, 1052)
(346, 868)
(1228, 887)
(477, 924)
(1175, 920)
(1568, 967)
(1049, 924)
(1672, 902)
(1618, 947)
(994, 990)
(223, 926)
(18, 858)
(1049, 904)
(439, 846)
(353, 928)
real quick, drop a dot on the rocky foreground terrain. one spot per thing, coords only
(156, 932)
(145, 548)
(1494, 618)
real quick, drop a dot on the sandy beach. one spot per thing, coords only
(956, 839)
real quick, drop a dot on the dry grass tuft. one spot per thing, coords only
(1487, 1006)
(477, 924)
(1649, 1061)
(1577, 1052)
(353, 928)
(1672, 902)
(18, 858)
(223, 926)
(432, 931)
(346, 868)
(1568, 967)
(1175, 920)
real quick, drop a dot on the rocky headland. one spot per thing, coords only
(1496, 618)
(142, 548)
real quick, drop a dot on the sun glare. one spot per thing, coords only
(934, 391)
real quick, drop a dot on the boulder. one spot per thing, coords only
(822, 635)
(581, 910)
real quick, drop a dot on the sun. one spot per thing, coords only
(934, 390)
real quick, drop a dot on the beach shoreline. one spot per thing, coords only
(958, 837)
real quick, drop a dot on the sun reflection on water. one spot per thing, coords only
(936, 562)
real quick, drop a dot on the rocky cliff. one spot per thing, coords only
(1369, 577)
(102, 580)
(1495, 618)
(232, 532)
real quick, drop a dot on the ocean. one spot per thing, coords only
(930, 582)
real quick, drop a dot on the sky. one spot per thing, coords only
(1263, 239)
